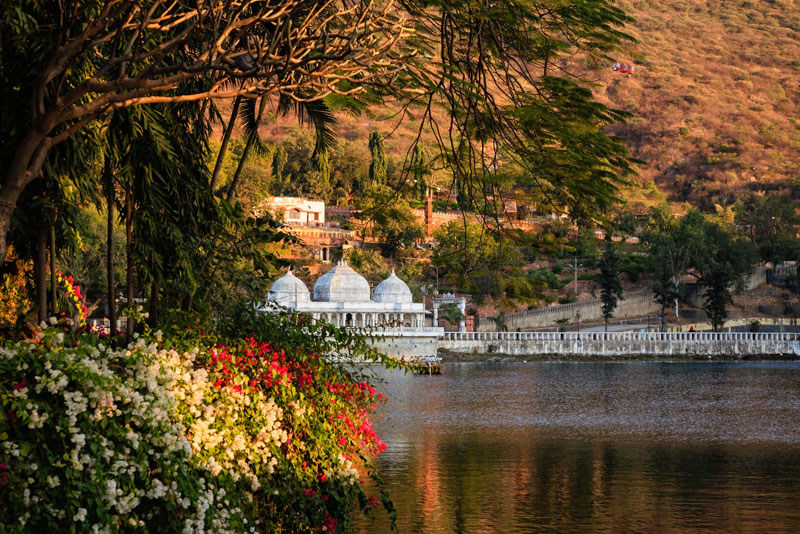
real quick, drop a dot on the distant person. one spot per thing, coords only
(691, 329)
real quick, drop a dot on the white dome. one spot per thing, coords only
(288, 289)
(392, 290)
(341, 284)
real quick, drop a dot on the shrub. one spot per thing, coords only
(189, 433)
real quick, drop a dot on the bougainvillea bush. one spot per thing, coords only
(246, 428)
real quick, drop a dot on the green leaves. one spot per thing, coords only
(608, 278)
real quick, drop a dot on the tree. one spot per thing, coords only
(610, 285)
(392, 221)
(503, 73)
(673, 246)
(379, 163)
(64, 67)
(420, 172)
(721, 265)
(279, 160)
(664, 289)
(473, 260)
(452, 314)
(771, 223)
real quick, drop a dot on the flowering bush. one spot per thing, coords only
(190, 433)
(13, 293)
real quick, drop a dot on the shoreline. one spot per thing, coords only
(458, 357)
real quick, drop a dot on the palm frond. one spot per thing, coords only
(315, 113)
(249, 116)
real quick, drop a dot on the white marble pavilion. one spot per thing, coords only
(342, 297)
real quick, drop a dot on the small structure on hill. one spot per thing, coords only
(298, 211)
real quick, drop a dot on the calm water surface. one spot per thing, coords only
(593, 447)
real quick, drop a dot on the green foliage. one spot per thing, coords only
(379, 164)
(420, 172)
(771, 223)
(472, 260)
(722, 264)
(368, 262)
(392, 222)
(673, 246)
(279, 162)
(250, 415)
(545, 278)
(608, 278)
(303, 174)
(452, 313)
(710, 251)
(233, 262)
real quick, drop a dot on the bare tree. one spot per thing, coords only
(67, 64)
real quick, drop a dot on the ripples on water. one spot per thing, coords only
(593, 447)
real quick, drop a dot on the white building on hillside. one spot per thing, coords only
(298, 211)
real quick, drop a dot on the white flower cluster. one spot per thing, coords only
(130, 405)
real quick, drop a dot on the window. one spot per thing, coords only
(294, 214)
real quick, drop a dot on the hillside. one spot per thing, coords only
(715, 98)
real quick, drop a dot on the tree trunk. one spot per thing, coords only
(110, 252)
(223, 148)
(235, 180)
(40, 267)
(606, 324)
(24, 167)
(676, 283)
(129, 255)
(155, 287)
(53, 289)
(6, 210)
(250, 140)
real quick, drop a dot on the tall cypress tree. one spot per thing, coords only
(279, 160)
(610, 285)
(379, 165)
(420, 171)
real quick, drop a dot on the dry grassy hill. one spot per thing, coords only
(715, 98)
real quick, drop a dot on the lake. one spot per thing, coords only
(593, 447)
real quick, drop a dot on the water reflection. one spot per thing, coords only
(594, 448)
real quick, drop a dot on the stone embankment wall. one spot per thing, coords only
(621, 344)
(636, 304)
(408, 342)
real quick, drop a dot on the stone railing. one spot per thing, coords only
(400, 331)
(735, 344)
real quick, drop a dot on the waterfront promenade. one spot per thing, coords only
(624, 344)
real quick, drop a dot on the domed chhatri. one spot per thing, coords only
(342, 297)
(289, 290)
(392, 290)
(341, 284)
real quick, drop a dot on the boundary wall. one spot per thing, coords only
(636, 304)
